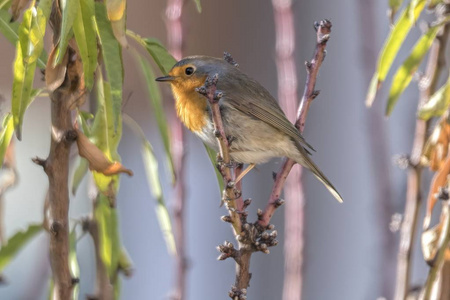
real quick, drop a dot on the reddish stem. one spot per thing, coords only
(323, 31)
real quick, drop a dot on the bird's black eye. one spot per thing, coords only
(189, 71)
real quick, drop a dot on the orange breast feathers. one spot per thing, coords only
(191, 108)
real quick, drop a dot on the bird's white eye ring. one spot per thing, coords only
(189, 71)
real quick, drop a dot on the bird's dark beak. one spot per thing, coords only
(165, 78)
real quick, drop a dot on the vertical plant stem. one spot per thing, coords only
(408, 231)
(57, 168)
(175, 42)
(293, 191)
(379, 153)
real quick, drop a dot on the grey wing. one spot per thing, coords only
(263, 106)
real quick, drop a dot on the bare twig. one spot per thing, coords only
(231, 196)
(175, 42)
(323, 29)
(293, 191)
(408, 230)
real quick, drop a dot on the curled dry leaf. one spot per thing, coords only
(436, 149)
(97, 159)
(429, 241)
(54, 76)
(439, 181)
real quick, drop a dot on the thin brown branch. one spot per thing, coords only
(408, 229)
(293, 191)
(175, 44)
(323, 29)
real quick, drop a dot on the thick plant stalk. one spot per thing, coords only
(175, 42)
(293, 191)
(408, 231)
(57, 168)
(378, 150)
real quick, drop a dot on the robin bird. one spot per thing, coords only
(257, 125)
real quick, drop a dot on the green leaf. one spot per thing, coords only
(5, 4)
(151, 169)
(69, 10)
(199, 5)
(213, 158)
(392, 45)
(79, 174)
(160, 55)
(112, 58)
(46, 7)
(104, 135)
(10, 31)
(21, 91)
(15, 244)
(7, 28)
(107, 221)
(73, 261)
(158, 109)
(84, 31)
(5, 136)
(404, 74)
(31, 34)
(438, 103)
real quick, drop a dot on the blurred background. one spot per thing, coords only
(350, 252)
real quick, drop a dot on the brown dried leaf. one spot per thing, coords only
(17, 6)
(54, 76)
(97, 159)
(429, 241)
(439, 180)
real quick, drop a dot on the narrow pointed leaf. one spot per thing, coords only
(11, 31)
(21, 91)
(158, 110)
(438, 103)
(112, 58)
(404, 74)
(5, 4)
(7, 28)
(213, 158)
(198, 5)
(84, 32)
(392, 46)
(46, 7)
(160, 55)
(105, 136)
(151, 170)
(69, 10)
(5, 136)
(16, 243)
(107, 221)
